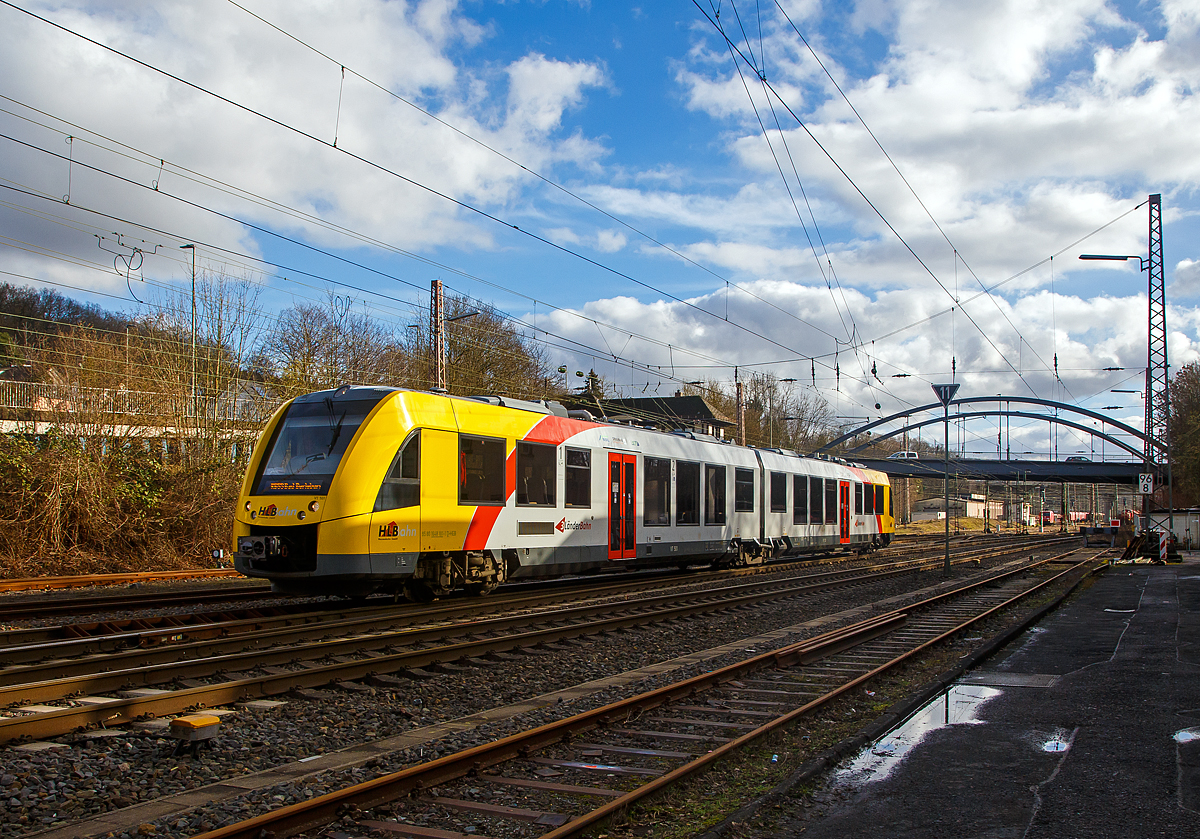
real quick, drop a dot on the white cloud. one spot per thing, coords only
(611, 241)
(1186, 281)
(1023, 125)
(412, 47)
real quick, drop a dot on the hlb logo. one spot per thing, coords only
(391, 530)
(272, 511)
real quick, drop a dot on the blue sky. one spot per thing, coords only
(1021, 126)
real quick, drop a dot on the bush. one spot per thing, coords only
(104, 506)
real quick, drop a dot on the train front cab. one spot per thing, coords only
(341, 487)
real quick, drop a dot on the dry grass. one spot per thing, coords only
(70, 508)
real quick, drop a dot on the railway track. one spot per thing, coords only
(166, 624)
(25, 608)
(89, 580)
(22, 608)
(274, 656)
(562, 778)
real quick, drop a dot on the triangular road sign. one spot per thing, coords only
(945, 393)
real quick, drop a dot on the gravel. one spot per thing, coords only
(93, 775)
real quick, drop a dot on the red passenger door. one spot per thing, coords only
(622, 510)
(844, 510)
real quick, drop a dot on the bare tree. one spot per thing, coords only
(777, 413)
(315, 346)
(485, 353)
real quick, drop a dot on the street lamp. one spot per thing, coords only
(192, 248)
(1153, 264)
(1112, 257)
(944, 394)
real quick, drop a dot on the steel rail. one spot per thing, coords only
(575, 826)
(43, 607)
(70, 641)
(118, 711)
(57, 678)
(163, 664)
(296, 818)
(18, 609)
(85, 580)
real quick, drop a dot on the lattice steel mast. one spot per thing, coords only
(1158, 392)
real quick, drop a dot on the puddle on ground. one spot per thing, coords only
(1187, 735)
(1055, 746)
(957, 706)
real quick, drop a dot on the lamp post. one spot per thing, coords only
(192, 403)
(1157, 368)
(944, 394)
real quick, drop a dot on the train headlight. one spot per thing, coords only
(253, 514)
(300, 515)
(247, 506)
(313, 506)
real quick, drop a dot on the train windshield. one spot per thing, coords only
(309, 443)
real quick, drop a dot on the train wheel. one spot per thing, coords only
(419, 592)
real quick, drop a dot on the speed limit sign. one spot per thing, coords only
(1146, 483)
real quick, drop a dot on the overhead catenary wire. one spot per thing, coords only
(158, 189)
(268, 118)
(716, 25)
(313, 248)
(393, 173)
(901, 175)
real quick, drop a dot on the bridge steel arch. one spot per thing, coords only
(1020, 400)
(1116, 441)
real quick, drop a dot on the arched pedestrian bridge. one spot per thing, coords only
(1072, 471)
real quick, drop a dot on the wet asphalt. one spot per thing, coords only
(1079, 728)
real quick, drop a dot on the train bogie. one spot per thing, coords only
(375, 489)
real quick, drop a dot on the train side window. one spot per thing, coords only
(799, 499)
(869, 506)
(656, 483)
(743, 490)
(879, 503)
(858, 499)
(831, 500)
(481, 478)
(537, 474)
(578, 489)
(687, 492)
(778, 492)
(714, 494)
(816, 500)
(402, 483)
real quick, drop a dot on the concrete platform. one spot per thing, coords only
(1077, 729)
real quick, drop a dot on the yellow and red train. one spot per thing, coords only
(374, 489)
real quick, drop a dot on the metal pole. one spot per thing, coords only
(437, 327)
(741, 408)
(192, 402)
(194, 330)
(946, 483)
(1157, 357)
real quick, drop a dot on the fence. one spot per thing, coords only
(246, 405)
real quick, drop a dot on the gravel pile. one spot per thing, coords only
(92, 775)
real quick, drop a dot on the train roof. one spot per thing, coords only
(553, 408)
